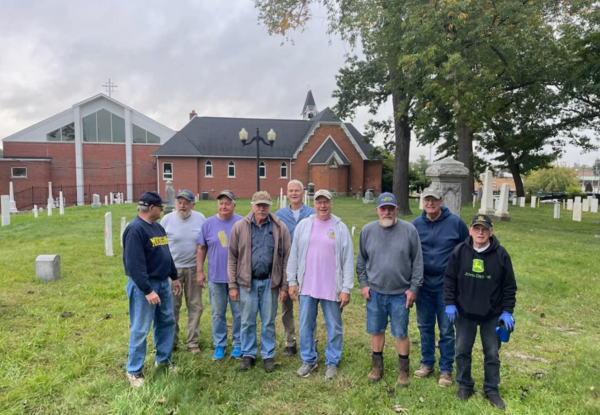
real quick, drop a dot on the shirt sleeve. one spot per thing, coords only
(136, 261)
(361, 260)
(201, 235)
(509, 287)
(450, 279)
(416, 254)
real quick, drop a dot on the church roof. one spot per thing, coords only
(328, 149)
(310, 100)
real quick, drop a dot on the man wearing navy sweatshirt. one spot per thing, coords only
(148, 264)
(440, 232)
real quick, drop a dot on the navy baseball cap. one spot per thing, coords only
(186, 194)
(482, 220)
(226, 193)
(151, 199)
(386, 199)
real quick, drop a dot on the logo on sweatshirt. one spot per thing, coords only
(478, 265)
(331, 234)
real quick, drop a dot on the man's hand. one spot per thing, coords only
(153, 299)
(410, 298)
(344, 299)
(283, 295)
(364, 292)
(293, 292)
(176, 286)
(451, 312)
(234, 295)
(508, 319)
(201, 278)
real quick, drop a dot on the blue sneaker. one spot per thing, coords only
(219, 353)
(236, 353)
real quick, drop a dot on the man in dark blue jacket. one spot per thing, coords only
(440, 232)
(148, 264)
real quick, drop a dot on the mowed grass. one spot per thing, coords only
(75, 365)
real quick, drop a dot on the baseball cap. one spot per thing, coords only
(482, 220)
(387, 199)
(151, 199)
(226, 193)
(433, 192)
(323, 192)
(261, 197)
(186, 194)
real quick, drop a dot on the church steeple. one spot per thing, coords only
(310, 108)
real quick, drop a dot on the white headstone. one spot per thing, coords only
(105, 200)
(564, 204)
(594, 206)
(5, 206)
(50, 207)
(502, 209)
(487, 200)
(112, 198)
(421, 201)
(474, 200)
(11, 201)
(577, 211)
(353, 230)
(578, 199)
(522, 202)
(448, 176)
(496, 204)
(96, 201)
(50, 198)
(47, 267)
(570, 204)
(514, 201)
(589, 198)
(61, 204)
(557, 211)
(35, 211)
(108, 246)
(533, 201)
(585, 205)
(123, 226)
(284, 201)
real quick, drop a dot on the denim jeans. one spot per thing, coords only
(219, 296)
(431, 308)
(259, 299)
(141, 316)
(306, 330)
(383, 306)
(466, 330)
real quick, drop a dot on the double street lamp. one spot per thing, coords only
(271, 140)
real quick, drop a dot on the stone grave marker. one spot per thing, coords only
(594, 206)
(5, 206)
(49, 211)
(522, 202)
(11, 201)
(170, 197)
(578, 199)
(421, 201)
(96, 201)
(448, 176)
(585, 205)
(502, 209)
(368, 197)
(105, 200)
(570, 204)
(353, 230)
(514, 201)
(533, 201)
(487, 200)
(123, 226)
(577, 211)
(35, 211)
(61, 203)
(47, 268)
(557, 211)
(108, 246)
(50, 198)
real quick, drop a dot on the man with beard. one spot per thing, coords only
(183, 227)
(292, 215)
(390, 272)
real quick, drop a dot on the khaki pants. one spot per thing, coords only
(287, 318)
(193, 302)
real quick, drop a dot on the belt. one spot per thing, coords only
(256, 277)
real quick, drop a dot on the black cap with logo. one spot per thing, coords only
(482, 220)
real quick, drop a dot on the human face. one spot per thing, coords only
(387, 215)
(481, 235)
(432, 206)
(155, 212)
(323, 208)
(261, 212)
(294, 194)
(184, 207)
(226, 207)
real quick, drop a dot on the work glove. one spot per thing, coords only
(451, 312)
(507, 318)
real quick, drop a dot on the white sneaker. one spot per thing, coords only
(135, 381)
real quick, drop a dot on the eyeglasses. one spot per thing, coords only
(157, 206)
(323, 202)
(480, 229)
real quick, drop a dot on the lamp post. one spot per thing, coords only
(271, 140)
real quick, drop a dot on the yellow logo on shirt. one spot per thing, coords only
(158, 240)
(222, 238)
(331, 234)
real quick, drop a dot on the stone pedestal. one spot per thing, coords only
(50, 198)
(487, 200)
(448, 175)
(47, 268)
(169, 197)
(502, 211)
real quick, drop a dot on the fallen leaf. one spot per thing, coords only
(30, 292)
(66, 314)
(77, 333)
(534, 336)
(161, 400)
(533, 310)
(399, 409)
(543, 315)
(422, 400)
(595, 395)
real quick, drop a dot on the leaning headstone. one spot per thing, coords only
(123, 226)
(61, 203)
(50, 198)
(11, 201)
(570, 204)
(557, 211)
(96, 201)
(594, 206)
(577, 211)
(585, 205)
(108, 247)
(448, 176)
(169, 197)
(47, 267)
(502, 209)
(5, 206)
(533, 201)
(487, 200)
(35, 211)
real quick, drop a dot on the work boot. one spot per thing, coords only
(403, 368)
(290, 351)
(269, 364)
(464, 394)
(246, 363)
(376, 372)
(495, 400)
(445, 379)
(423, 371)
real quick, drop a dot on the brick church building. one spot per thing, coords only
(101, 145)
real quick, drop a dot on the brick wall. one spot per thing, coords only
(144, 164)
(104, 164)
(38, 175)
(373, 172)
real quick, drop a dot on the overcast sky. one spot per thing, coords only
(167, 58)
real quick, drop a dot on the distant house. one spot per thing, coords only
(207, 155)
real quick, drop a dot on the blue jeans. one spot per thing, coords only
(219, 296)
(431, 307)
(141, 316)
(306, 330)
(259, 299)
(383, 306)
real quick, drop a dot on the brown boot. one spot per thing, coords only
(376, 372)
(403, 368)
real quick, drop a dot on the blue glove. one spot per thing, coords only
(507, 318)
(451, 312)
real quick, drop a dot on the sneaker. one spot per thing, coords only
(445, 379)
(330, 372)
(135, 381)
(194, 350)
(246, 363)
(464, 394)
(269, 364)
(236, 353)
(219, 353)
(306, 369)
(290, 351)
(403, 370)
(423, 371)
(495, 400)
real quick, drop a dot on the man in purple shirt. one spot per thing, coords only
(214, 240)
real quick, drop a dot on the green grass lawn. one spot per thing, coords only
(75, 365)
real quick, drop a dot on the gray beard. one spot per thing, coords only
(184, 215)
(387, 223)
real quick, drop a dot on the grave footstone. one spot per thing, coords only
(61, 204)
(502, 209)
(522, 201)
(5, 207)
(570, 204)
(487, 200)
(96, 201)
(108, 246)
(448, 176)
(557, 211)
(47, 268)
(577, 211)
(533, 201)
(594, 206)
(35, 211)
(585, 205)
(11, 201)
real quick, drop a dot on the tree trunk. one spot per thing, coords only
(465, 155)
(401, 155)
(516, 173)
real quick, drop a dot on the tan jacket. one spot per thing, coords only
(239, 260)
